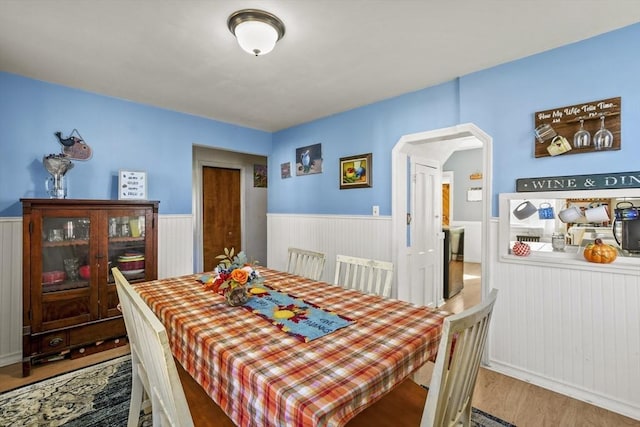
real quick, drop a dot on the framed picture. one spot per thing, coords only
(260, 176)
(285, 170)
(132, 185)
(356, 171)
(309, 159)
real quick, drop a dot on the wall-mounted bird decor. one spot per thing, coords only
(74, 147)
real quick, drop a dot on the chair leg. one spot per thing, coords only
(465, 419)
(136, 400)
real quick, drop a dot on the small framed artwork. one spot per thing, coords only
(132, 185)
(309, 159)
(356, 171)
(285, 170)
(260, 176)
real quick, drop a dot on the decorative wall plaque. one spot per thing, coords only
(580, 182)
(580, 128)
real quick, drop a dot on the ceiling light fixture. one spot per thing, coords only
(257, 31)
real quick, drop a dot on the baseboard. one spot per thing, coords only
(10, 359)
(627, 409)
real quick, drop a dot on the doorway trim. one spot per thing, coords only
(435, 144)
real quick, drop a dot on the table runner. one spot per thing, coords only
(294, 316)
(264, 379)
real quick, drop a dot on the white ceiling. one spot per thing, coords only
(336, 54)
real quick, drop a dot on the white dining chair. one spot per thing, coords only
(448, 401)
(306, 263)
(365, 275)
(153, 369)
(176, 399)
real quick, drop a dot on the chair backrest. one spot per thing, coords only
(306, 263)
(365, 275)
(152, 361)
(454, 376)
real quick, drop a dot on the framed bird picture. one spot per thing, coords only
(356, 171)
(309, 159)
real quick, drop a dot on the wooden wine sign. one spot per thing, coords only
(555, 129)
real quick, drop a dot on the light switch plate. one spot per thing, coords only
(376, 210)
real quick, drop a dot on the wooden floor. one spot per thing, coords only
(512, 400)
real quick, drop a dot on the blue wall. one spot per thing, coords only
(122, 135)
(371, 129)
(500, 100)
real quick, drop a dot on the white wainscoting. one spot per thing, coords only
(175, 245)
(175, 258)
(10, 290)
(573, 331)
(361, 236)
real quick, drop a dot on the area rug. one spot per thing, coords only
(482, 419)
(98, 396)
(95, 396)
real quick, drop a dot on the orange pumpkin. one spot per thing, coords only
(600, 252)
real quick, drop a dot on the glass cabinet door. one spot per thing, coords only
(127, 245)
(65, 253)
(63, 271)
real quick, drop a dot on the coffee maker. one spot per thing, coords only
(626, 227)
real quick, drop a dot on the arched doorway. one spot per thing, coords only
(437, 144)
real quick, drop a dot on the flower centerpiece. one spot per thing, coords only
(233, 276)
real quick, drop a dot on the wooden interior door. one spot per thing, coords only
(221, 225)
(445, 205)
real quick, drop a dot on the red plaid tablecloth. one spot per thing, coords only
(261, 376)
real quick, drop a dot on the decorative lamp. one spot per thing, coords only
(257, 31)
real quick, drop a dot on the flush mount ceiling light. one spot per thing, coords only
(257, 31)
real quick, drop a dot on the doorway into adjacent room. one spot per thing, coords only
(236, 208)
(437, 145)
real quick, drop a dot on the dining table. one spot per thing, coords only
(260, 375)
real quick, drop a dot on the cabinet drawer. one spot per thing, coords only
(98, 332)
(53, 341)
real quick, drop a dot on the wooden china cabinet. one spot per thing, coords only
(69, 295)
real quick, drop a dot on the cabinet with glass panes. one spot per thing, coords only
(70, 303)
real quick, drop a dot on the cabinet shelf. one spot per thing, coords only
(74, 242)
(126, 239)
(64, 285)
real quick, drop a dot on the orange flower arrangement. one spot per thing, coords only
(233, 275)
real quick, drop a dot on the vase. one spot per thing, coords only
(56, 187)
(237, 296)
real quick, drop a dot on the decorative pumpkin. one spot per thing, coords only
(600, 252)
(521, 249)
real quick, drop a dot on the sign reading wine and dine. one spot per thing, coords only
(574, 129)
(580, 182)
